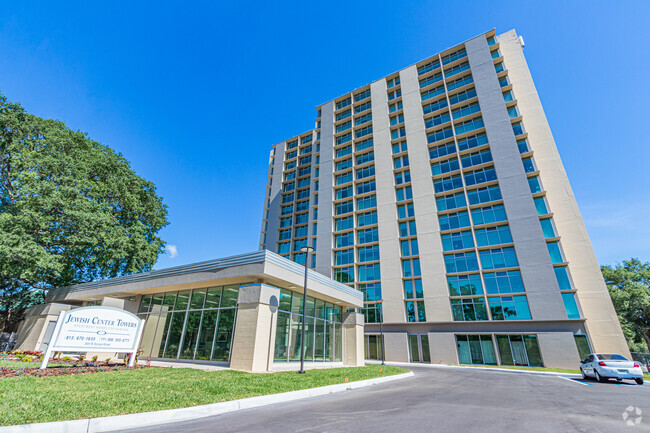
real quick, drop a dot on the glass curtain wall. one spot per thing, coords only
(516, 350)
(323, 331)
(190, 324)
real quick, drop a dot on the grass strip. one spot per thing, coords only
(33, 399)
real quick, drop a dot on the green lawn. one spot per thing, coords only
(43, 399)
(20, 364)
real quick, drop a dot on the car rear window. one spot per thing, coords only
(611, 356)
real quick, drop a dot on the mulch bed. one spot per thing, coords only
(68, 369)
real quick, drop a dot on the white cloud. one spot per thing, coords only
(172, 251)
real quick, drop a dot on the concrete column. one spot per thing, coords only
(325, 192)
(254, 339)
(353, 339)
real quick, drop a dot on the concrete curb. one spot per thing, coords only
(146, 419)
(497, 370)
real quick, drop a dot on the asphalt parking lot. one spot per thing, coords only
(450, 400)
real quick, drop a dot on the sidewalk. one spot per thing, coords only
(496, 369)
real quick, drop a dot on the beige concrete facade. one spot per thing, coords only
(261, 280)
(473, 112)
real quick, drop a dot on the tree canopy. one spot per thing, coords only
(629, 288)
(71, 210)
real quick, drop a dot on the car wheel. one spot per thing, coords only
(599, 378)
(584, 376)
(639, 381)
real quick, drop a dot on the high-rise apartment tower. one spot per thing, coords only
(439, 192)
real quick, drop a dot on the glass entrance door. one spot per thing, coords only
(419, 348)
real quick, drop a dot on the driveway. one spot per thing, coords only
(448, 400)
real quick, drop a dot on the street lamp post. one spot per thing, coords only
(305, 250)
(381, 332)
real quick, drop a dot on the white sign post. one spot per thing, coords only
(96, 329)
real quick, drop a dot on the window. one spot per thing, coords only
(292, 144)
(392, 82)
(493, 236)
(363, 107)
(522, 145)
(413, 288)
(570, 305)
(362, 95)
(445, 166)
(343, 192)
(369, 272)
(508, 96)
(302, 218)
(343, 178)
(468, 309)
(462, 262)
(284, 247)
(533, 183)
(289, 176)
(547, 228)
(395, 107)
(472, 141)
(490, 214)
(285, 210)
(343, 165)
(397, 133)
(498, 258)
(366, 202)
(395, 120)
(300, 232)
(482, 175)
(394, 94)
(519, 350)
(468, 125)
(434, 106)
(484, 195)
(371, 292)
(304, 171)
(407, 228)
(368, 235)
(344, 275)
(303, 205)
(345, 207)
(402, 177)
(344, 257)
(369, 254)
(285, 234)
(365, 187)
(554, 251)
(476, 349)
(411, 268)
(344, 126)
(428, 67)
(476, 158)
(465, 285)
(362, 145)
(430, 80)
(363, 119)
(452, 201)
(440, 135)
(405, 211)
(401, 162)
(291, 155)
(583, 345)
(466, 110)
(456, 69)
(518, 128)
(409, 248)
(363, 131)
(343, 115)
(503, 282)
(445, 149)
(344, 240)
(399, 147)
(432, 93)
(447, 183)
(415, 311)
(347, 150)
(540, 205)
(562, 277)
(285, 222)
(513, 112)
(460, 82)
(290, 165)
(509, 308)
(365, 157)
(452, 57)
(366, 219)
(462, 96)
(437, 120)
(404, 193)
(288, 187)
(529, 166)
(457, 241)
(365, 172)
(454, 220)
(344, 223)
(344, 103)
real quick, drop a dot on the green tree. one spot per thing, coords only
(629, 288)
(71, 211)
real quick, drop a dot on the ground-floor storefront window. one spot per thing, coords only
(373, 347)
(190, 324)
(515, 350)
(323, 329)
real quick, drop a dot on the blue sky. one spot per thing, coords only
(195, 95)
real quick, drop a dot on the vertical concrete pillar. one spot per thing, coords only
(254, 339)
(353, 339)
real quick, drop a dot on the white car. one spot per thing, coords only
(604, 366)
